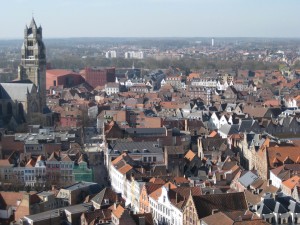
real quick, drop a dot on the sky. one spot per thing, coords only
(152, 18)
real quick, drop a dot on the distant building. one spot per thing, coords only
(99, 76)
(134, 55)
(111, 54)
(112, 88)
(77, 192)
(66, 78)
(82, 172)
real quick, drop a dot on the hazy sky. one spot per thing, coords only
(152, 18)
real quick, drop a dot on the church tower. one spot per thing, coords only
(33, 61)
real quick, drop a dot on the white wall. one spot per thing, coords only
(5, 214)
(275, 180)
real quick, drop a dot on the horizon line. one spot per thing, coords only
(155, 37)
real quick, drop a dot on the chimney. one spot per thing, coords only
(142, 220)
(118, 197)
(214, 211)
(159, 143)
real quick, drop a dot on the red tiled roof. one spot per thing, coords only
(118, 211)
(60, 72)
(292, 182)
(4, 163)
(31, 163)
(125, 169)
(180, 180)
(190, 155)
(155, 180)
(281, 153)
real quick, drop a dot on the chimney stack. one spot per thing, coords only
(142, 220)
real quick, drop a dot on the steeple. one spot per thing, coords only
(33, 61)
(33, 24)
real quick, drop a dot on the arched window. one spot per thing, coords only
(34, 107)
(21, 111)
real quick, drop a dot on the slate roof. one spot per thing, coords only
(146, 131)
(228, 129)
(106, 193)
(212, 143)
(269, 205)
(8, 91)
(263, 209)
(150, 146)
(174, 150)
(92, 187)
(205, 204)
(294, 206)
(279, 208)
(248, 178)
(98, 214)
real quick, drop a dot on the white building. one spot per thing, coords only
(162, 209)
(215, 122)
(118, 179)
(134, 55)
(112, 88)
(111, 54)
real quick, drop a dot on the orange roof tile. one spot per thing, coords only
(4, 162)
(292, 182)
(276, 154)
(119, 158)
(118, 211)
(190, 155)
(155, 180)
(213, 133)
(180, 180)
(59, 72)
(31, 163)
(125, 169)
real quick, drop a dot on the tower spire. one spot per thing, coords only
(32, 23)
(33, 61)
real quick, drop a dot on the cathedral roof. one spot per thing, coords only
(8, 91)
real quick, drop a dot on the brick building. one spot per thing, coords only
(99, 76)
(66, 78)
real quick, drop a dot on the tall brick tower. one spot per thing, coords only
(33, 61)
